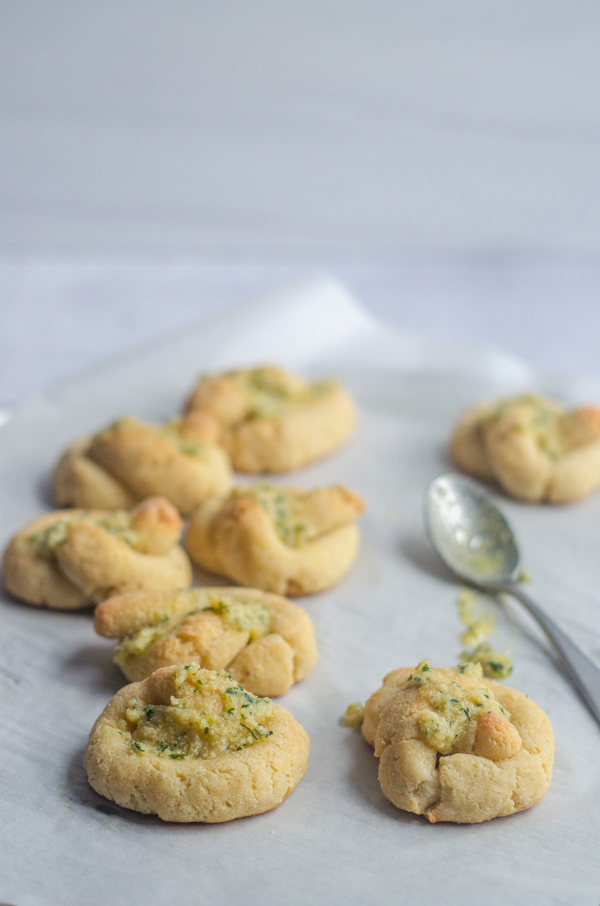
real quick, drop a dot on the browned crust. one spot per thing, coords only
(508, 447)
(303, 432)
(267, 666)
(213, 790)
(93, 564)
(131, 461)
(465, 787)
(234, 537)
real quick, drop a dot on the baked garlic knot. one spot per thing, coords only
(284, 540)
(131, 460)
(264, 641)
(72, 558)
(533, 447)
(454, 746)
(271, 420)
(191, 744)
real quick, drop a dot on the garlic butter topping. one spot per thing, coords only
(271, 390)
(209, 714)
(480, 623)
(177, 431)
(451, 700)
(285, 509)
(354, 715)
(235, 613)
(544, 417)
(117, 523)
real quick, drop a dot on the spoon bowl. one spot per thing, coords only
(469, 532)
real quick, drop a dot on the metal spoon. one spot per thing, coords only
(474, 539)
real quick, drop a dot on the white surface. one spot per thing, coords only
(60, 316)
(335, 839)
(327, 124)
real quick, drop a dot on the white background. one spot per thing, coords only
(355, 125)
(160, 160)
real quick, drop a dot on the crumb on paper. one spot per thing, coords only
(480, 623)
(354, 715)
(495, 664)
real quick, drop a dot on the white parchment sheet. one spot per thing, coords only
(335, 839)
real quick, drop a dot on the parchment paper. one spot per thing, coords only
(335, 839)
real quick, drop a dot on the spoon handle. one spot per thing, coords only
(584, 673)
